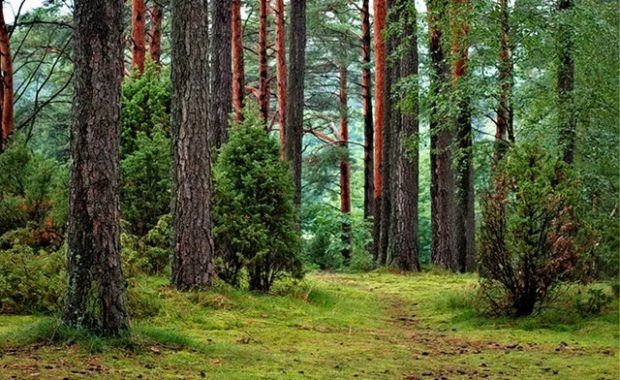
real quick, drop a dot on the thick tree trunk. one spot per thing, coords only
(157, 17)
(96, 296)
(380, 13)
(464, 200)
(192, 261)
(295, 85)
(281, 72)
(442, 137)
(6, 66)
(367, 111)
(345, 167)
(504, 133)
(221, 73)
(263, 64)
(566, 83)
(138, 36)
(406, 171)
(238, 81)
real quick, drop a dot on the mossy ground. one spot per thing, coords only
(330, 326)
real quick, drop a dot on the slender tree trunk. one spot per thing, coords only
(295, 85)
(281, 72)
(157, 17)
(238, 81)
(345, 167)
(566, 82)
(463, 163)
(263, 64)
(367, 111)
(442, 137)
(6, 65)
(504, 133)
(406, 172)
(221, 73)
(192, 260)
(96, 297)
(138, 36)
(380, 14)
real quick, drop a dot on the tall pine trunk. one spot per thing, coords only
(380, 14)
(406, 171)
(263, 64)
(463, 160)
(442, 137)
(157, 17)
(6, 65)
(281, 72)
(344, 166)
(295, 86)
(96, 296)
(138, 36)
(238, 71)
(220, 106)
(566, 82)
(504, 132)
(367, 111)
(192, 260)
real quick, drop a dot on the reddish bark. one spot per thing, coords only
(6, 65)
(263, 67)
(345, 167)
(237, 60)
(367, 111)
(138, 36)
(157, 16)
(281, 72)
(504, 128)
(380, 13)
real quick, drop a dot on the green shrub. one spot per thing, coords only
(31, 282)
(255, 218)
(594, 303)
(529, 233)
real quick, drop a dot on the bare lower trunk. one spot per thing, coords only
(192, 260)
(96, 296)
(238, 81)
(345, 167)
(566, 83)
(367, 111)
(157, 16)
(6, 65)
(138, 36)
(263, 64)
(504, 133)
(281, 72)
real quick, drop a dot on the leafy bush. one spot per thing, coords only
(145, 192)
(149, 254)
(255, 218)
(528, 236)
(31, 282)
(594, 303)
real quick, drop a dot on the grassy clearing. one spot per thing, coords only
(368, 326)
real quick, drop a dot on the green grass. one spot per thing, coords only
(329, 326)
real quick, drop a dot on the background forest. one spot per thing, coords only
(344, 145)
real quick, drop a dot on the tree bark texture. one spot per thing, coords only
(566, 82)
(380, 14)
(138, 34)
(221, 73)
(442, 137)
(504, 132)
(406, 170)
(295, 86)
(281, 72)
(192, 261)
(6, 66)
(263, 64)
(238, 81)
(344, 166)
(367, 111)
(96, 293)
(157, 17)
(464, 196)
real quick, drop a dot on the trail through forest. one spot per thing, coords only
(330, 326)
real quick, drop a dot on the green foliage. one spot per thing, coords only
(33, 198)
(31, 282)
(145, 193)
(594, 303)
(149, 254)
(529, 234)
(255, 219)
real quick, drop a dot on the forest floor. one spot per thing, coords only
(329, 326)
